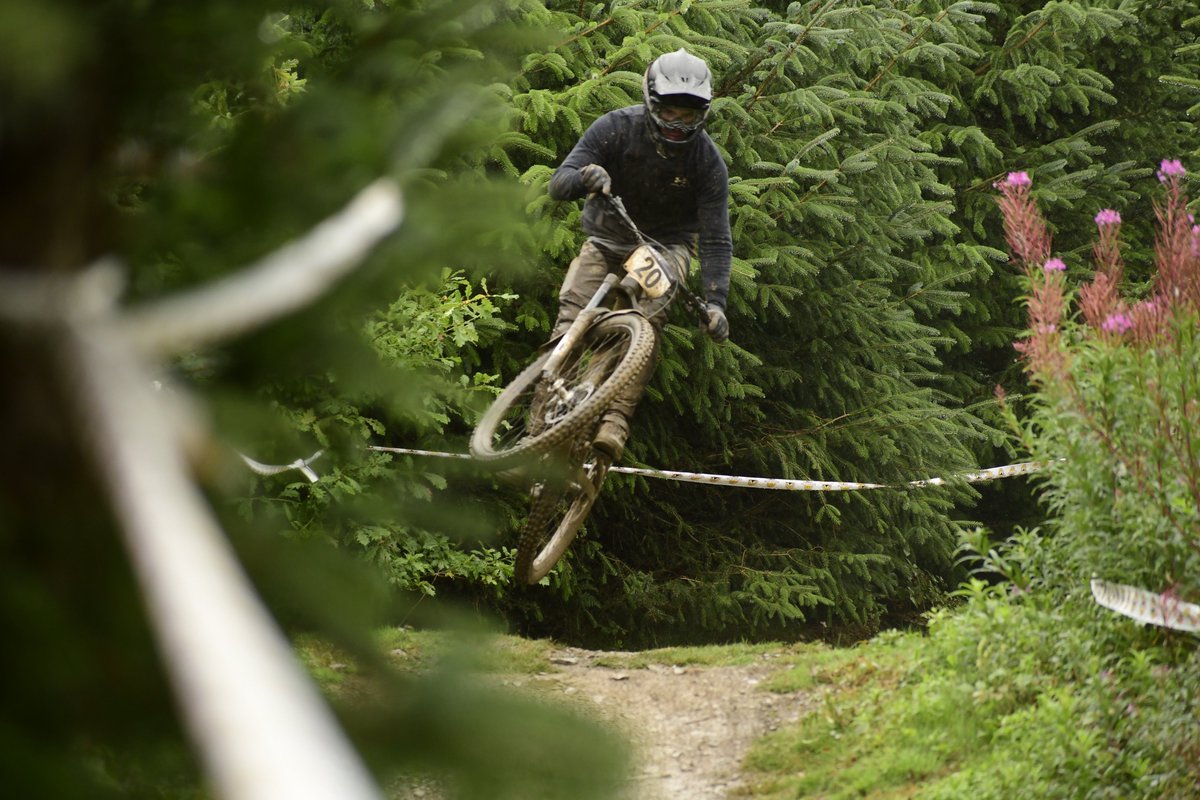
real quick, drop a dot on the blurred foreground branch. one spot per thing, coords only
(284, 281)
(260, 725)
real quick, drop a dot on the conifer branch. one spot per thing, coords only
(584, 34)
(774, 73)
(261, 727)
(198, 600)
(911, 44)
(732, 80)
(646, 32)
(1007, 49)
(825, 181)
(283, 281)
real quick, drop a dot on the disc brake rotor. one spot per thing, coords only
(565, 401)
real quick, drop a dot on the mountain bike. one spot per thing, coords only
(541, 427)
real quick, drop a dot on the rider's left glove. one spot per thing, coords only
(596, 179)
(718, 324)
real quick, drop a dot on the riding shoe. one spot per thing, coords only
(610, 437)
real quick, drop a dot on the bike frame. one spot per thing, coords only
(566, 471)
(571, 338)
(586, 316)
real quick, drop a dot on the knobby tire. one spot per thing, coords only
(528, 420)
(558, 512)
(548, 431)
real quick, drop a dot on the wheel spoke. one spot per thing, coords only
(531, 410)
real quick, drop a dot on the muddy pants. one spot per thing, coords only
(584, 277)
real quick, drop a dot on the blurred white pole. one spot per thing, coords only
(259, 724)
(281, 282)
(261, 728)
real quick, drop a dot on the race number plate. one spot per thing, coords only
(643, 264)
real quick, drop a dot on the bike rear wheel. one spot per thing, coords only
(558, 511)
(531, 417)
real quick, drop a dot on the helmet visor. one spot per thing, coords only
(683, 115)
(678, 116)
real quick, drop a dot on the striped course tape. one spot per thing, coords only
(778, 484)
(1163, 609)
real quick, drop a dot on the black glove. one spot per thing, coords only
(718, 325)
(596, 178)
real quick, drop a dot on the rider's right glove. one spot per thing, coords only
(596, 178)
(718, 325)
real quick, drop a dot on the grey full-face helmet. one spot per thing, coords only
(677, 90)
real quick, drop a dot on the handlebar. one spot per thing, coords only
(698, 306)
(690, 298)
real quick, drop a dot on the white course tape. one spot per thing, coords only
(302, 464)
(779, 484)
(1152, 608)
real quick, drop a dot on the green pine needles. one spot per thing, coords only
(870, 319)
(871, 308)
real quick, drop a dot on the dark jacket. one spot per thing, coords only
(674, 199)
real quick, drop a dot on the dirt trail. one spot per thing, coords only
(690, 725)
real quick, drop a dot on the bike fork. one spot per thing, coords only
(571, 338)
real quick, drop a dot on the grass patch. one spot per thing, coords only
(821, 665)
(877, 734)
(414, 650)
(329, 666)
(409, 649)
(729, 655)
(1007, 696)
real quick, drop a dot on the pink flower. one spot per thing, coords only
(1170, 169)
(1054, 265)
(1108, 217)
(1025, 230)
(1117, 323)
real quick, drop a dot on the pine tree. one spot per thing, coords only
(872, 310)
(834, 370)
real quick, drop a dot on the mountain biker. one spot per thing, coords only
(660, 160)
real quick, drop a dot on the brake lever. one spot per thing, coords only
(696, 304)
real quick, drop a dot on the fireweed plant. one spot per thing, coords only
(1027, 688)
(1116, 415)
(1050, 694)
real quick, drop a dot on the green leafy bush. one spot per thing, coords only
(1076, 701)
(1027, 688)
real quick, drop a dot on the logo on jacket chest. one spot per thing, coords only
(680, 182)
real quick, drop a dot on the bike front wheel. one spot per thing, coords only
(532, 417)
(557, 512)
